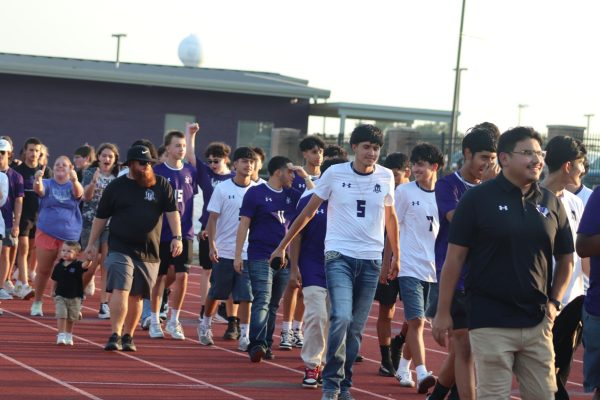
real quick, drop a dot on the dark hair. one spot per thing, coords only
(149, 145)
(74, 244)
(32, 140)
(85, 151)
(562, 149)
(427, 152)
(335, 151)
(366, 133)
(309, 143)
(260, 153)
(170, 135)
(276, 163)
(509, 139)
(244, 152)
(161, 150)
(396, 160)
(328, 163)
(112, 147)
(217, 149)
(481, 137)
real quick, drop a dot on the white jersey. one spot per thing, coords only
(356, 209)
(419, 225)
(574, 209)
(584, 194)
(226, 201)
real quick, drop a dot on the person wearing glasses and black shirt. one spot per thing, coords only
(507, 231)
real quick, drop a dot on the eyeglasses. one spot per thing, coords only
(531, 153)
(144, 163)
(213, 161)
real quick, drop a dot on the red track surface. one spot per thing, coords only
(33, 367)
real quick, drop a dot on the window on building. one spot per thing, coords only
(176, 122)
(256, 134)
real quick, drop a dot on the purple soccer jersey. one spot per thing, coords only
(590, 226)
(312, 249)
(270, 214)
(207, 180)
(15, 190)
(448, 192)
(299, 184)
(183, 182)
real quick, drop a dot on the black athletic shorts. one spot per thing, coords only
(181, 262)
(204, 254)
(387, 294)
(458, 310)
(27, 228)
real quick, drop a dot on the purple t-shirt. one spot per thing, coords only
(590, 226)
(299, 184)
(448, 192)
(312, 250)
(59, 214)
(207, 180)
(270, 214)
(183, 182)
(15, 190)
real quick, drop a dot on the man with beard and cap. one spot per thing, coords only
(135, 204)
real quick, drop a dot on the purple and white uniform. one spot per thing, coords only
(15, 189)
(312, 249)
(208, 180)
(299, 183)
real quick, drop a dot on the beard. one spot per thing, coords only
(144, 178)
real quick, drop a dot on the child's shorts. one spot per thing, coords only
(67, 308)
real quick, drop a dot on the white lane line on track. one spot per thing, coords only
(154, 385)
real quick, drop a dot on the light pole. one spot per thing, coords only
(118, 36)
(521, 107)
(457, 70)
(587, 130)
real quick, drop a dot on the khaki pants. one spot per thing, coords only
(526, 352)
(316, 325)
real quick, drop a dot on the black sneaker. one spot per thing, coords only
(359, 358)
(257, 353)
(396, 349)
(269, 354)
(114, 343)
(232, 332)
(128, 344)
(386, 369)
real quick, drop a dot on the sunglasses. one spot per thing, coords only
(144, 163)
(214, 161)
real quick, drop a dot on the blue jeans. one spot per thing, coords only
(351, 284)
(268, 286)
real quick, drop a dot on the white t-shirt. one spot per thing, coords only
(574, 209)
(584, 194)
(356, 209)
(226, 201)
(419, 225)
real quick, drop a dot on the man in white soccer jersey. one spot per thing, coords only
(418, 219)
(361, 205)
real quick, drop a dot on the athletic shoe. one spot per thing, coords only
(36, 309)
(146, 323)
(114, 343)
(205, 335)
(155, 331)
(218, 319)
(4, 295)
(69, 339)
(104, 312)
(257, 353)
(287, 340)
(232, 332)
(90, 289)
(386, 369)
(127, 342)
(310, 379)
(175, 330)
(60, 339)
(9, 287)
(396, 349)
(25, 292)
(243, 343)
(405, 378)
(424, 384)
(269, 354)
(359, 358)
(345, 396)
(298, 338)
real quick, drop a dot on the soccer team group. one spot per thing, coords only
(501, 256)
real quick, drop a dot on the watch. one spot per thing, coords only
(556, 303)
(178, 238)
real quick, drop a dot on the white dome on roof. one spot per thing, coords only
(190, 51)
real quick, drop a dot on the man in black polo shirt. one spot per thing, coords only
(506, 231)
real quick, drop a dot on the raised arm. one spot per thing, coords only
(190, 142)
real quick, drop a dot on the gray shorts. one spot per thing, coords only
(8, 240)
(85, 237)
(125, 273)
(67, 308)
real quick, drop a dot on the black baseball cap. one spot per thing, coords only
(139, 153)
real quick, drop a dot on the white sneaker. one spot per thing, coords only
(90, 289)
(104, 312)
(60, 338)
(36, 309)
(146, 323)
(155, 331)
(26, 292)
(405, 378)
(9, 287)
(243, 343)
(68, 339)
(287, 340)
(205, 335)
(175, 330)
(4, 295)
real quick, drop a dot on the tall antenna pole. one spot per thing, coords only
(118, 36)
(454, 122)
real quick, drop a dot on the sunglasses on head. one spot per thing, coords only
(214, 161)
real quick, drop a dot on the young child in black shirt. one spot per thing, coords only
(70, 276)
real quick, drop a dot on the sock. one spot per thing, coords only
(174, 315)
(421, 371)
(286, 326)
(297, 325)
(404, 364)
(439, 392)
(385, 355)
(244, 331)
(154, 318)
(207, 321)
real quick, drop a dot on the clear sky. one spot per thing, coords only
(388, 52)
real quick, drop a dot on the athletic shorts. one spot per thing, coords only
(386, 295)
(415, 297)
(47, 242)
(126, 273)
(8, 240)
(204, 255)
(85, 237)
(67, 308)
(27, 228)
(181, 262)
(225, 281)
(434, 293)
(458, 310)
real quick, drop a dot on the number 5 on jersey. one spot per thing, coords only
(361, 206)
